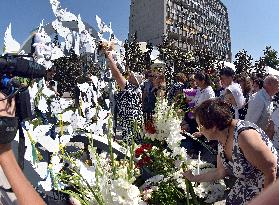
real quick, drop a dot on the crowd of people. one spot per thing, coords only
(238, 112)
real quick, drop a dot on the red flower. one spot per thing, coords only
(140, 164)
(139, 151)
(144, 161)
(150, 127)
(146, 146)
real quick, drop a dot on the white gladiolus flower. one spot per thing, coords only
(88, 173)
(33, 90)
(147, 194)
(56, 165)
(77, 121)
(96, 129)
(181, 184)
(66, 116)
(124, 193)
(166, 153)
(40, 135)
(70, 129)
(59, 105)
(200, 190)
(177, 174)
(65, 139)
(65, 103)
(83, 87)
(41, 168)
(55, 107)
(28, 125)
(46, 184)
(42, 105)
(47, 92)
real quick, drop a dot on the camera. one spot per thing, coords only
(17, 65)
(12, 66)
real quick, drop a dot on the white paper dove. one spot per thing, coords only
(87, 42)
(81, 26)
(63, 32)
(103, 28)
(42, 105)
(41, 135)
(61, 14)
(10, 44)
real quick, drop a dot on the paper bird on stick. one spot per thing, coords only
(10, 44)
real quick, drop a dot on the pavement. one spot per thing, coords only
(6, 198)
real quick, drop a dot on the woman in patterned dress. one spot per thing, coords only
(244, 151)
(129, 101)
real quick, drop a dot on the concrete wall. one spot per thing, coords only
(147, 18)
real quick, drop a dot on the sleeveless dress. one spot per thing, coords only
(129, 106)
(249, 180)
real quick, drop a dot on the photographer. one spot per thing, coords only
(22, 188)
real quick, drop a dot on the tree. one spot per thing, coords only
(243, 63)
(259, 70)
(136, 59)
(271, 58)
(176, 59)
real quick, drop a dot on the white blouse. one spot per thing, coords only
(203, 95)
(236, 91)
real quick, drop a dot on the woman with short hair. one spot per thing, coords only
(244, 151)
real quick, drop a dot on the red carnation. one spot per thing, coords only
(139, 164)
(150, 127)
(146, 160)
(139, 151)
(146, 146)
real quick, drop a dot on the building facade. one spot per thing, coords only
(189, 23)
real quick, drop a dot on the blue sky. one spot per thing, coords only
(254, 23)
